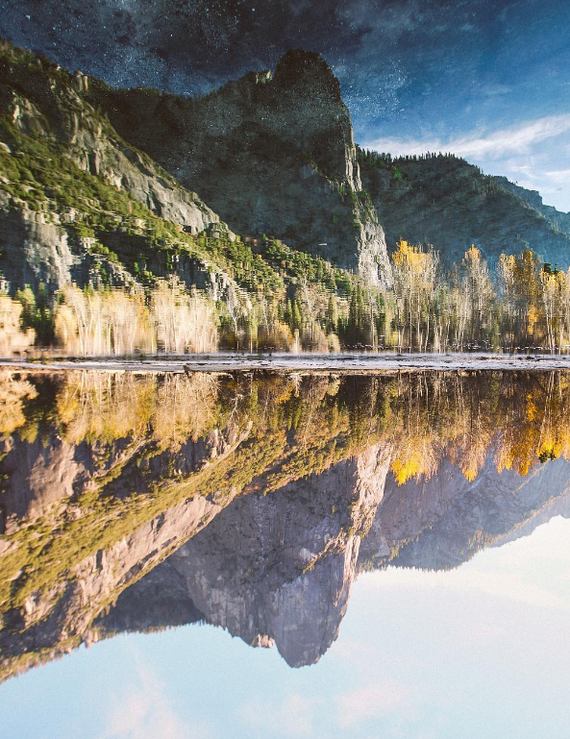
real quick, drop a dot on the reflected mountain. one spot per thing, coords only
(251, 501)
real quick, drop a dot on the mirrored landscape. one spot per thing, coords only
(258, 502)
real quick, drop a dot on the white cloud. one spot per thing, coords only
(371, 702)
(294, 717)
(512, 140)
(143, 711)
(492, 90)
(559, 175)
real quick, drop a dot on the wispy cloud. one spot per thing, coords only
(494, 89)
(494, 145)
(144, 711)
(371, 702)
(293, 717)
(559, 175)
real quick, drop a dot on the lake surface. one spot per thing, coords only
(390, 553)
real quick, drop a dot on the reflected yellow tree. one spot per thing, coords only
(14, 391)
(13, 337)
(301, 424)
(185, 409)
(105, 406)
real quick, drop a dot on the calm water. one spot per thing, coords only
(390, 553)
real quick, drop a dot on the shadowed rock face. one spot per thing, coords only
(41, 244)
(270, 153)
(278, 570)
(447, 202)
(442, 522)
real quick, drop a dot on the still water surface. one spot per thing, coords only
(391, 553)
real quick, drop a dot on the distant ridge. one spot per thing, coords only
(443, 200)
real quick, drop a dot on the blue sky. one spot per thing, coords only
(480, 651)
(487, 80)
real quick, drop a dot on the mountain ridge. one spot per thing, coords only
(271, 153)
(443, 200)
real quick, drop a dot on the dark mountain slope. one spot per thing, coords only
(445, 201)
(79, 203)
(271, 153)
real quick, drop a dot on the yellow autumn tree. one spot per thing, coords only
(13, 338)
(415, 283)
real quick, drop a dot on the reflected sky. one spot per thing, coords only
(477, 651)
(260, 555)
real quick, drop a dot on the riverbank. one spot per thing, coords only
(303, 363)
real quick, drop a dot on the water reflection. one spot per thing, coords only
(251, 501)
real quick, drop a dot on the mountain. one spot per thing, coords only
(252, 502)
(277, 570)
(71, 188)
(271, 153)
(111, 186)
(453, 518)
(445, 201)
(79, 201)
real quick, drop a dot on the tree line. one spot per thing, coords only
(523, 305)
(520, 419)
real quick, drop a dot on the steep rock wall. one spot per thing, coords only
(270, 153)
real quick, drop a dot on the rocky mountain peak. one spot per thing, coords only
(307, 71)
(271, 154)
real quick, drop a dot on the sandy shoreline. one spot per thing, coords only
(302, 363)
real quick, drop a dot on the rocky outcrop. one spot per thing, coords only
(271, 153)
(274, 569)
(48, 103)
(52, 472)
(37, 249)
(55, 236)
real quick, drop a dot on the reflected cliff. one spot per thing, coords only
(251, 500)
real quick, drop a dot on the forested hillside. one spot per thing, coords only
(99, 231)
(445, 201)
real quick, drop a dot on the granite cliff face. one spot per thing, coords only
(252, 502)
(442, 522)
(277, 570)
(86, 181)
(270, 153)
(274, 569)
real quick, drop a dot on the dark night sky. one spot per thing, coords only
(489, 80)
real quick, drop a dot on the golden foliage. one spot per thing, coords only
(105, 406)
(185, 409)
(13, 392)
(519, 421)
(184, 322)
(13, 338)
(117, 322)
(103, 322)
